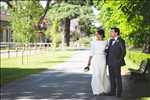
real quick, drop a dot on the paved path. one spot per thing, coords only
(68, 81)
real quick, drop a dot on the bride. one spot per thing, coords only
(97, 60)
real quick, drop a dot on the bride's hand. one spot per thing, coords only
(86, 68)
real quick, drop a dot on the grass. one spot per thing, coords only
(13, 69)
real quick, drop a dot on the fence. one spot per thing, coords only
(11, 49)
(14, 49)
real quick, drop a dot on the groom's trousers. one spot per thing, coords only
(115, 80)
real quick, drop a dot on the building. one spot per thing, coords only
(5, 28)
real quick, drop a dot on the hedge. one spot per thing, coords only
(136, 56)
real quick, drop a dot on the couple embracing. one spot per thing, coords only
(105, 53)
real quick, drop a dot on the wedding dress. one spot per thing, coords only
(100, 80)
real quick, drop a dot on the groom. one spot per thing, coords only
(115, 59)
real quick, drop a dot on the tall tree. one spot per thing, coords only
(64, 12)
(23, 18)
(130, 16)
(139, 8)
(44, 13)
(68, 8)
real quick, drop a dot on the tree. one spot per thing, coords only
(64, 12)
(54, 34)
(45, 12)
(86, 25)
(138, 8)
(23, 18)
(130, 16)
(69, 9)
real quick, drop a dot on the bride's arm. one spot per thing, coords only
(89, 61)
(90, 57)
(91, 54)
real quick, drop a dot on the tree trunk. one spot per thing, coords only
(65, 26)
(44, 14)
(67, 31)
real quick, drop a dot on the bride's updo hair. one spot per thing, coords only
(101, 32)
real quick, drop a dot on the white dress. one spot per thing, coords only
(100, 81)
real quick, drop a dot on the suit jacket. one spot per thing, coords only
(116, 52)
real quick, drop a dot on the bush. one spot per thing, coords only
(137, 57)
(57, 40)
(85, 41)
(54, 33)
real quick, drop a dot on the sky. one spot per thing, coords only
(43, 3)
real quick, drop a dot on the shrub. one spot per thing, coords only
(136, 56)
(85, 41)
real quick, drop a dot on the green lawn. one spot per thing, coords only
(12, 68)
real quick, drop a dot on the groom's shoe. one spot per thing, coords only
(119, 95)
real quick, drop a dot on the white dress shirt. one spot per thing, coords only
(113, 42)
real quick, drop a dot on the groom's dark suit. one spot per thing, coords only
(115, 59)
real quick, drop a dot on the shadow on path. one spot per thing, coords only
(50, 84)
(54, 85)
